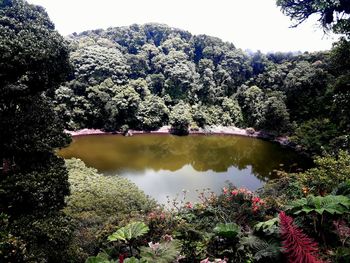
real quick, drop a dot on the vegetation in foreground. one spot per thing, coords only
(159, 75)
(287, 220)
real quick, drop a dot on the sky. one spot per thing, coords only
(248, 24)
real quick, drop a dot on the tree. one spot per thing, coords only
(94, 62)
(33, 181)
(305, 87)
(180, 118)
(340, 68)
(127, 102)
(234, 111)
(333, 15)
(152, 113)
(252, 103)
(276, 116)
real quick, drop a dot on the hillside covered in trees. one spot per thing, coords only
(146, 76)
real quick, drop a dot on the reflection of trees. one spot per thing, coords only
(165, 152)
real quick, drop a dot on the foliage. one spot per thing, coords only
(180, 118)
(130, 231)
(333, 204)
(163, 252)
(328, 173)
(228, 230)
(333, 15)
(261, 249)
(315, 135)
(142, 74)
(33, 182)
(98, 204)
(297, 246)
(269, 227)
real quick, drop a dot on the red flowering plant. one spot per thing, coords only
(240, 205)
(160, 222)
(297, 246)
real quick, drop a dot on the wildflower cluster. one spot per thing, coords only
(257, 203)
(243, 195)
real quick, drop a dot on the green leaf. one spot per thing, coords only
(332, 204)
(162, 253)
(228, 230)
(130, 231)
(97, 259)
(267, 224)
(131, 260)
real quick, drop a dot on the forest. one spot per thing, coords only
(144, 77)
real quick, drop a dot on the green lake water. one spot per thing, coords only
(165, 165)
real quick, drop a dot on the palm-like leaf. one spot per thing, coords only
(261, 248)
(269, 226)
(130, 231)
(165, 252)
(228, 230)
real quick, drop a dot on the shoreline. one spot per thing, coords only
(214, 130)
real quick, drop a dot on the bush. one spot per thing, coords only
(99, 202)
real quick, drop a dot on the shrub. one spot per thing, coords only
(97, 202)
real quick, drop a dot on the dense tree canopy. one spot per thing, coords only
(147, 76)
(134, 77)
(33, 181)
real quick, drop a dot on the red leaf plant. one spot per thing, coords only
(298, 247)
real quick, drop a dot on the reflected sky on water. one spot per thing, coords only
(164, 165)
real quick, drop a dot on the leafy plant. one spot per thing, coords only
(332, 204)
(261, 248)
(163, 252)
(130, 231)
(135, 260)
(100, 258)
(269, 226)
(228, 230)
(296, 245)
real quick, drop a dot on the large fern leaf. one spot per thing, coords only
(261, 248)
(130, 231)
(164, 253)
(228, 230)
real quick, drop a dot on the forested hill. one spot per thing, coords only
(146, 76)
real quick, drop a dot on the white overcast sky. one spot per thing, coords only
(249, 24)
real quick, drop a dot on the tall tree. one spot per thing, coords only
(33, 181)
(333, 14)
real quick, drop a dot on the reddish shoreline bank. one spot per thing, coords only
(210, 131)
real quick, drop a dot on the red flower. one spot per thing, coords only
(189, 205)
(225, 190)
(234, 192)
(256, 199)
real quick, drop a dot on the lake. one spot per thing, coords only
(165, 165)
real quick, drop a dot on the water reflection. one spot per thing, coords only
(164, 165)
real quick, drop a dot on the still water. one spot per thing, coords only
(165, 165)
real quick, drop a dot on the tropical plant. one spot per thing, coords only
(129, 232)
(227, 230)
(259, 248)
(269, 227)
(164, 252)
(296, 245)
(332, 204)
